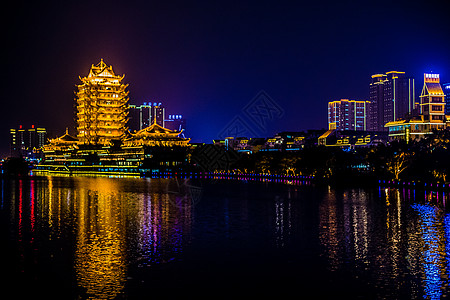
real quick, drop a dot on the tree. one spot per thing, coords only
(397, 164)
(287, 164)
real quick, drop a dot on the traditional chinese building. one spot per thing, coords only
(156, 136)
(432, 115)
(62, 143)
(103, 145)
(101, 102)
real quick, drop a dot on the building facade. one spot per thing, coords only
(102, 110)
(446, 89)
(376, 98)
(27, 142)
(347, 114)
(432, 100)
(142, 116)
(104, 146)
(432, 115)
(392, 97)
(351, 138)
(158, 114)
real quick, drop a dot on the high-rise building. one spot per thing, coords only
(446, 89)
(24, 142)
(392, 98)
(101, 106)
(347, 114)
(142, 116)
(376, 97)
(13, 142)
(432, 116)
(158, 114)
(432, 102)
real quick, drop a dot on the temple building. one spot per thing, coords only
(101, 106)
(103, 145)
(156, 135)
(62, 143)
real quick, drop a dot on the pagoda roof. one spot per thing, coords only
(432, 88)
(101, 69)
(66, 138)
(156, 129)
(156, 135)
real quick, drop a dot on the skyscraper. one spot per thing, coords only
(24, 142)
(392, 98)
(158, 114)
(140, 116)
(376, 97)
(101, 106)
(347, 114)
(446, 88)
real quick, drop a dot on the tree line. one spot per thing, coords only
(426, 160)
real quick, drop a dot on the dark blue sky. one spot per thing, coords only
(208, 60)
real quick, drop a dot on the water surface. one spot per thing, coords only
(102, 238)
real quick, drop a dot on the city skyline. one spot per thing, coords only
(301, 60)
(162, 118)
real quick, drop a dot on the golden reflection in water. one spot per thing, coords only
(393, 233)
(328, 227)
(100, 248)
(117, 226)
(107, 223)
(360, 224)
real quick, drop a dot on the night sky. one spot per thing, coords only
(208, 60)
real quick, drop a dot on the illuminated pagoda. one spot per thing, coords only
(101, 106)
(103, 145)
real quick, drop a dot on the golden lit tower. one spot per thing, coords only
(432, 99)
(102, 100)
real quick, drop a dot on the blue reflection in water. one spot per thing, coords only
(432, 257)
(447, 243)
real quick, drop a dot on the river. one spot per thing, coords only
(123, 238)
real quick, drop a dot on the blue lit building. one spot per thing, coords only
(446, 89)
(347, 114)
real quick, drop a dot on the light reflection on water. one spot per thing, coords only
(112, 224)
(394, 241)
(407, 254)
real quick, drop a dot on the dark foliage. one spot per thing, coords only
(424, 160)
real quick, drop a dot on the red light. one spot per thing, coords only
(32, 126)
(20, 126)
